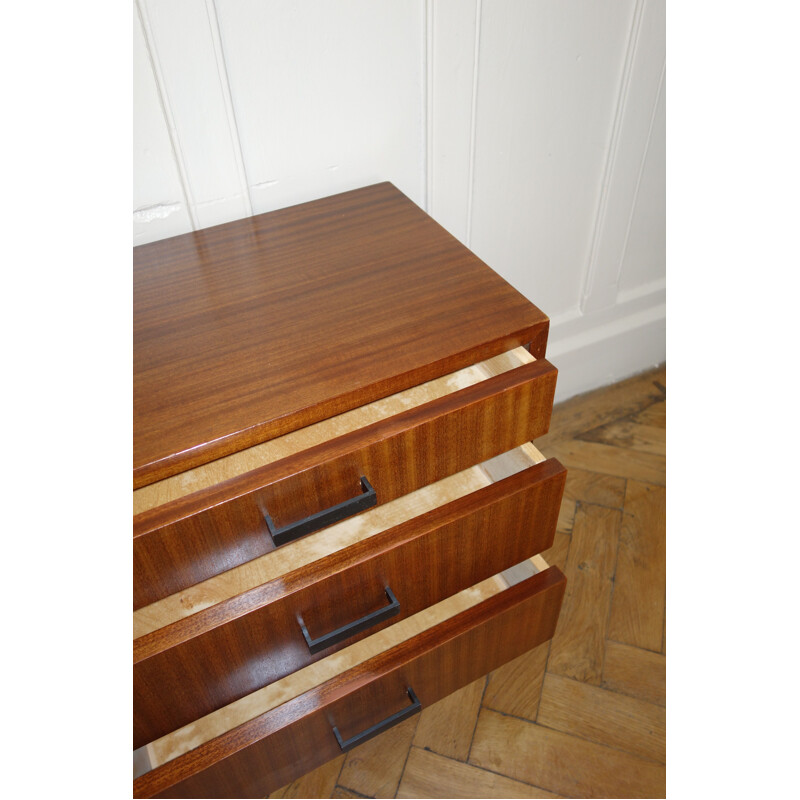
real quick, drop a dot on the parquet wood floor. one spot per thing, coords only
(583, 715)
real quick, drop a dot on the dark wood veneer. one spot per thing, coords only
(256, 328)
(192, 667)
(203, 534)
(248, 330)
(273, 749)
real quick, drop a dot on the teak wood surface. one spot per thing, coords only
(489, 739)
(249, 330)
(190, 668)
(203, 534)
(278, 746)
(223, 469)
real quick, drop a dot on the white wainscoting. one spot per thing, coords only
(532, 130)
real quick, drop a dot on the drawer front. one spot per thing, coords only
(278, 746)
(192, 667)
(194, 538)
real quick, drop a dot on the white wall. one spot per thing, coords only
(533, 130)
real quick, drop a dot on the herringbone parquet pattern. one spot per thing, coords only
(583, 715)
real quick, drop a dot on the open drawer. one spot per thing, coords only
(309, 479)
(270, 737)
(198, 663)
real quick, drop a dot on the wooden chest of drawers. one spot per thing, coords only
(337, 508)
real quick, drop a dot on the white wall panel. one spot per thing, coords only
(533, 131)
(548, 78)
(185, 44)
(159, 202)
(327, 96)
(644, 68)
(644, 262)
(452, 79)
(607, 352)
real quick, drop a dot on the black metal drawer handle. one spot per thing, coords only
(352, 628)
(382, 726)
(323, 518)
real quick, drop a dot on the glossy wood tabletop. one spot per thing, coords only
(290, 317)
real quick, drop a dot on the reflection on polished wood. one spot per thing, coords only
(512, 750)
(254, 343)
(212, 658)
(264, 751)
(232, 317)
(214, 530)
(223, 469)
(312, 548)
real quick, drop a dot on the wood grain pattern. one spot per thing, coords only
(374, 768)
(557, 554)
(655, 415)
(260, 702)
(561, 763)
(430, 775)
(339, 792)
(317, 783)
(637, 610)
(216, 656)
(274, 748)
(306, 550)
(635, 672)
(577, 649)
(227, 467)
(566, 516)
(516, 687)
(216, 529)
(444, 726)
(602, 716)
(611, 460)
(626, 670)
(590, 410)
(632, 435)
(585, 486)
(281, 320)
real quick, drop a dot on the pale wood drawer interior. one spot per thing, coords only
(222, 469)
(304, 551)
(215, 724)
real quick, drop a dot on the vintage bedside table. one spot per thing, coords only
(337, 508)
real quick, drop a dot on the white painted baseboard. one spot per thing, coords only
(596, 350)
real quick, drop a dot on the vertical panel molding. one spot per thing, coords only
(633, 119)
(193, 71)
(152, 52)
(474, 117)
(593, 268)
(159, 201)
(225, 86)
(634, 203)
(428, 109)
(451, 80)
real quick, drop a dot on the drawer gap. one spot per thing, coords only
(215, 724)
(206, 475)
(343, 534)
